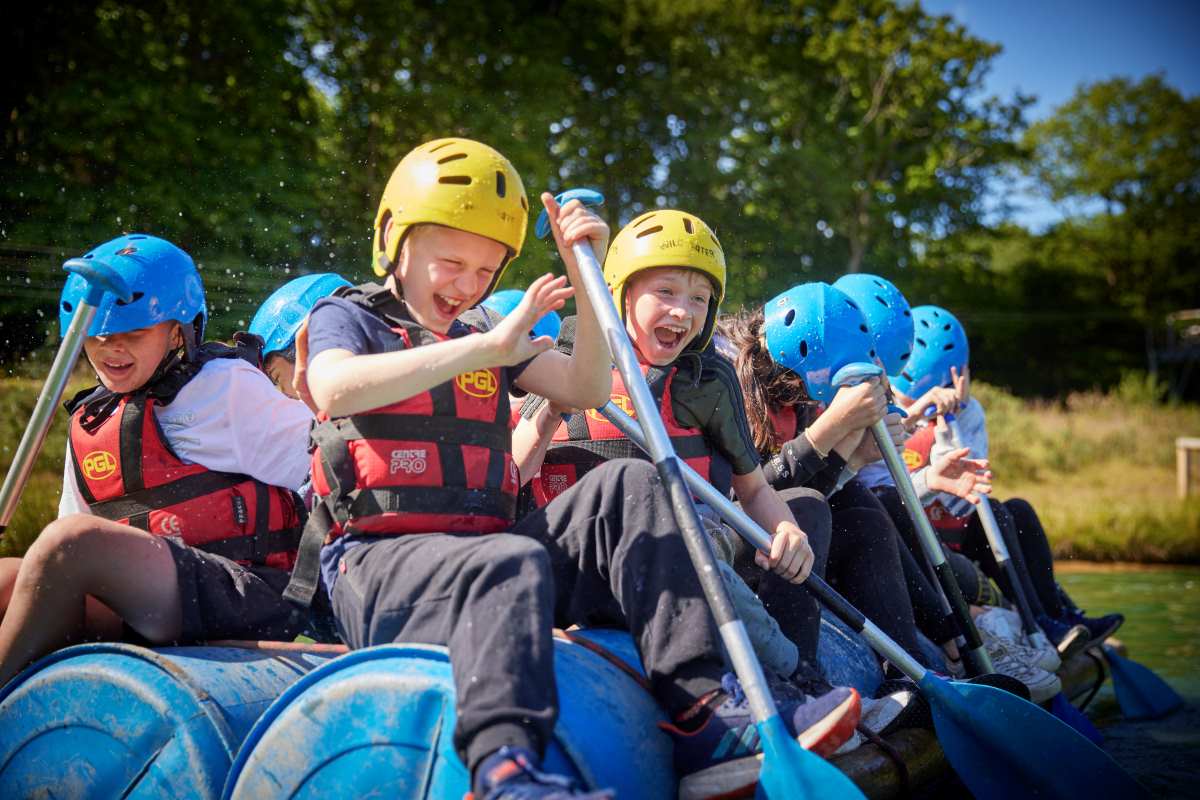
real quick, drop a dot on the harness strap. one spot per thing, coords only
(430, 500)
(189, 487)
(306, 572)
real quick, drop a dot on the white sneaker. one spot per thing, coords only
(1000, 623)
(1010, 660)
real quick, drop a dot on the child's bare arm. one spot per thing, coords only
(583, 379)
(791, 555)
(532, 438)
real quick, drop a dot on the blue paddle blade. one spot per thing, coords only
(789, 771)
(1141, 693)
(1004, 747)
(1062, 709)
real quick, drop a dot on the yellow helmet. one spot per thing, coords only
(667, 238)
(458, 183)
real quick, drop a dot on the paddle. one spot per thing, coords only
(1140, 693)
(1001, 746)
(788, 770)
(975, 658)
(101, 279)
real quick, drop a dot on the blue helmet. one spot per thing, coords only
(887, 315)
(504, 302)
(814, 330)
(279, 317)
(939, 343)
(164, 283)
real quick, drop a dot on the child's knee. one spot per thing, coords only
(59, 541)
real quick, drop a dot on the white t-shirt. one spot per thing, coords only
(229, 418)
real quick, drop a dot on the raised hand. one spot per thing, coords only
(574, 222)
(509, 340)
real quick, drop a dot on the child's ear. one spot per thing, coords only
(176, 336)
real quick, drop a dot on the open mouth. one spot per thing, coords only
(117, 369)
(670, 337)
(447, 306)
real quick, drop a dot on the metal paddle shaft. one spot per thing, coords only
(788, 771)
(996, 742)
(995, 538)
(101, 279)
(974, 656)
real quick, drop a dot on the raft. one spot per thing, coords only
(119, 720)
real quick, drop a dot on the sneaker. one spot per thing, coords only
(1098, 628)
(723, 756)
(897, 705)
(510, 774)
(1016, 663)
(1068, 639)
(998, 624)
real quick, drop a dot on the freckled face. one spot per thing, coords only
(125, 361)
(665, 309)
(444, 271)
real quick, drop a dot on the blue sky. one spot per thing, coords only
(1052, 46)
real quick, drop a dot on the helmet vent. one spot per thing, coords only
(90, 255)
(871, 353)
(66, 307)
(645, 218)
(863, 328)
(461, 180)
(920, 341)
(524, 203)
(440, 146)
(852, 304)
(906, 376)
(883, 302)
(501, 186)
(905, 356)
(879, 283)
(687, 225)
(134, 238)
(133, 299)
(452, 157)
(949, 346)
(804, 348)
(790, 317)
(907, 313)
(925, 322)
(649, 231)
(946, 327)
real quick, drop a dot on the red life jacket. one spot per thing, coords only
(440, 461)
(127, 472)
(917, 449)
(587, 440)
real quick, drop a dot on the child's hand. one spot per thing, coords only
(573, 223)
(300, 373)
(944, 401)
(962, 385)
(954, 473)
(510, 340)
(551, 415)
(791, 556)
(857, 407)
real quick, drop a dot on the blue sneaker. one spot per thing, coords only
(1098, 628)
(1067, 639)
(721, 755)
(510, 774)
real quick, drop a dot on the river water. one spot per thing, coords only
(1161, 631)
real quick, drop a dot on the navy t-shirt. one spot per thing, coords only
(339, 324)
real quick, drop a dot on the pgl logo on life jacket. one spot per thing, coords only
(480, 383)
(621, 401)
(912, 459)
(410, 462)
(98, 465)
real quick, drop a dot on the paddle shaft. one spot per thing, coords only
(43, 412)
(995, 538)
(732, 631)
(752, 532)
(975, 658)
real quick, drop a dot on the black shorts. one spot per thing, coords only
(222, 599)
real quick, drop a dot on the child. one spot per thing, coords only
(178, 521)
(279, 318)
(667, 274)
(940, 365)
(415, 473)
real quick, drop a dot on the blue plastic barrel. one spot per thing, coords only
(117, 720)
(380, 722)
(845, 658)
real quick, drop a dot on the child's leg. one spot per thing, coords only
(130, 571)
(8, 576)
(489, 599)
(796, 610)
(776, 652)
(976, 547)
(1038, 558)
(617, 559)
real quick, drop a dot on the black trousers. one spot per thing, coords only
(606, 552)
(1027, 547)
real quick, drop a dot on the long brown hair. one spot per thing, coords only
(765, 385)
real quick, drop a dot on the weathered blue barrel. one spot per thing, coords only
(117, 720)
(380, 722)
(845, 657)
